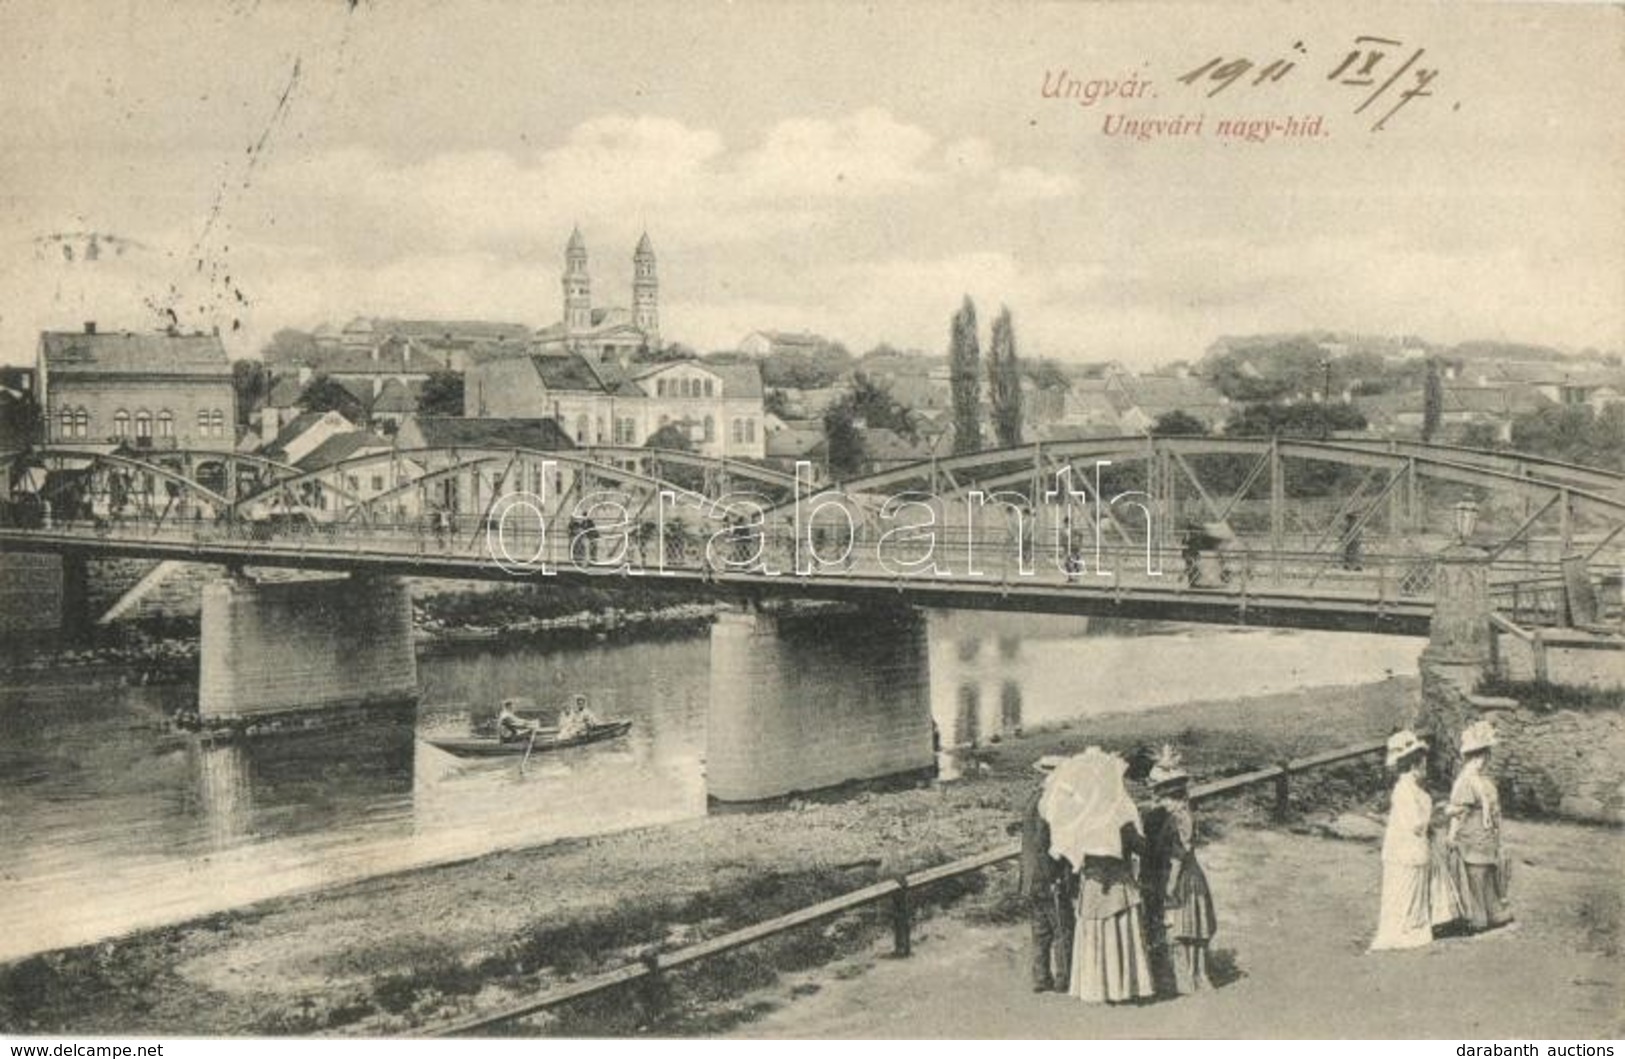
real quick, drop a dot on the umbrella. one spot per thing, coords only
(1086, 806)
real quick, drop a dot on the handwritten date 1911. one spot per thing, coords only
(1361, 67)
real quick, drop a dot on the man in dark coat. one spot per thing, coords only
(1049, 887)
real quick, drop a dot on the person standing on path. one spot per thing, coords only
(1095, 824)
(1404, 918)
(1179, 917)
(1046, 887)
(1475, 831)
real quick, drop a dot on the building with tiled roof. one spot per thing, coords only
(603, 401)
(766, 343)
(304, 434)
(159, 390)
(451, 432)
(1140, 400)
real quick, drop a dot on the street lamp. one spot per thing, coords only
(1466, 519)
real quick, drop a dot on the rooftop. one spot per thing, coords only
(140, 352)
(452, 431)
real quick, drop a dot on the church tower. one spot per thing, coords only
(577, 285)
(646, 292)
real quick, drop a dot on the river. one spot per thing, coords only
(111, 822)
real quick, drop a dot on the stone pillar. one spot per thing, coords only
(76, 616)
(1460, 651)
(810, 703)
(1460, 636)
(277, 647)
(30, 592)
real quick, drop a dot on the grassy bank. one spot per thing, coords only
(403, 951)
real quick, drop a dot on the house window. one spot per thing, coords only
(355, 481)
(166, 424)
(739, 431)
(581, 428)
(600, 435)
(66, 420)
(203, 422)
(377, 483)
(750, 431)
(218, 419)
(121, 424)
(660, 387)
(708, 388)
(710, 428)
(81, 423)
(143, 424)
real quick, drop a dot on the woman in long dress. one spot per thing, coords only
(1404, 920)
(1178, 903)
(1475, 831)
(1094, 823)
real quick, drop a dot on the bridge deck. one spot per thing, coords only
(1303, 592)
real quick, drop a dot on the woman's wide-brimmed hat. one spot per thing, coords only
(1480, 735)
(1167, 773)
(1402, 744)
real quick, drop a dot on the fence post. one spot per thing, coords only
(1537, 643)
(1282, 791)
(901, 919)
(652, 990)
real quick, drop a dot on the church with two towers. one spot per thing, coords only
(611, 332)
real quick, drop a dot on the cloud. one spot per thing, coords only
(1029, 184)
(867, 153)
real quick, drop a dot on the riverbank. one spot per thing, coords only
(404, 951)
(1295, 915)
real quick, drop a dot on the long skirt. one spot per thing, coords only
(1484, 893)
(1109, 959)
(1190, 966)
(1446, 901)
(1404, 920)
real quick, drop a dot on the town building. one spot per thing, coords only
(1141, 400)
(603, 400)
(147, 390)
(768, 343)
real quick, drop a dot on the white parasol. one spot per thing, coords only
(1086, 805)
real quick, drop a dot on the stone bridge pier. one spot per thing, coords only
(801, 702)
(44, 593)
(283, 646)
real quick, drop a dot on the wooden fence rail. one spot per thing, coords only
(898, 891)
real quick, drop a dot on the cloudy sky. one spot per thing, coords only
(845, 168)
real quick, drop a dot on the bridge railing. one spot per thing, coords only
(900, 893)
(1530, 590)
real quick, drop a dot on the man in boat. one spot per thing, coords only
(576, 720)
(510, 726)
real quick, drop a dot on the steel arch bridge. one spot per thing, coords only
(1336, 532)
(1400, 489)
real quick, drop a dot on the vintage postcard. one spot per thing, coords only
(812, 520)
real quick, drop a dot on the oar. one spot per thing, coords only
(528, 748)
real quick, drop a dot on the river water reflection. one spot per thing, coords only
(111, 823)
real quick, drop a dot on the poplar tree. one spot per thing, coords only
(1432, 401)
(964, 376)
(1004, 377)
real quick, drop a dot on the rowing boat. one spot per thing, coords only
(545, 741)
